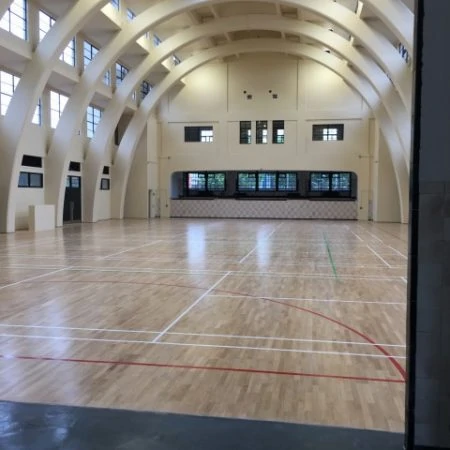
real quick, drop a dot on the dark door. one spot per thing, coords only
(72, 200)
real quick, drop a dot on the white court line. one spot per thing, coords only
(131, 249)
(398, 253)
(186, 311)
(354, 234)
(180, 344)
(233, 273)
(248, 254)
(405, 280)
(294, 299)
(379, 257)
(227, 336)
(27, 280)
(371, 234)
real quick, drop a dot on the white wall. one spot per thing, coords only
(307, 93)
(136, 200)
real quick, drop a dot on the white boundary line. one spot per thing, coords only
(253, 297)
(359, 237)
(213, 335)
(27, 280)
(180, 344)
(405, 280)
(131, 249)
(235, 273)
(186, 311)
(398, 253)
(379, 257)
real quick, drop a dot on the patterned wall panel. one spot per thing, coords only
(265, 209)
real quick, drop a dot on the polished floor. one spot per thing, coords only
(291, 321)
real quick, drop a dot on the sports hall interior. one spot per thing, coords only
(205, 224)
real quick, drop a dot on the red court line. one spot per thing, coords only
(208, 368)
(368, 339)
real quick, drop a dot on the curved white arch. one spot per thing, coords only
(25, 98)
(114, 110)
(135, 128)
(398, 18)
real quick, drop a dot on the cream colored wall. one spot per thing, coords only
(136, 200)
(36, 142)
(388, 207)
(307, 93)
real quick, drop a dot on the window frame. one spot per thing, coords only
(93, 118)
(245, 132)
(322, 132)
(29, 176)
(12, 19)
(278, 125)
(58, 111)
(329, 190)
(195, 134)
(262, 132)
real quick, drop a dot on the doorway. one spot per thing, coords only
(72, 200)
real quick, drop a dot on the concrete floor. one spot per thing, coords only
(48, 427)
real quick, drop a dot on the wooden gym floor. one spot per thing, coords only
(298, 321)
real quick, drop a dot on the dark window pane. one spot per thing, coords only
(278, 132)
(320, 182)
(247, 181)
(261, 131)
(287, 181)
(329, 132)
(267, 181)
(245, 132)
(216, 181)
(23, 179)
(197, 181)
(36, 180)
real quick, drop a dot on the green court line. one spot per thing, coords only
(330, 256)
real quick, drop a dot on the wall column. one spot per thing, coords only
(428, 398)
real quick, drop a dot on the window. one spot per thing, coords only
(37, 116)
(57, 104)
(261, 131)
(204, 182)
(216, 181)
(196, 182)
(32, 161)
(245, 132)
(8, 84)
(319, 182)
(328, 132)
(267, 181)
(93, 116)
(278, 132)
(89, 53)
(146, 87)
(105, 184)
(31, 180)
(156, 40)
(15, 19)
(121, 73)
(247, 181)
(287, 181)
(176, 60)
(115, 4)
(331, 182)
(130, 14)
(199, 134)
(341, 182)
(74, 167)
(105, 170)
(45, 23)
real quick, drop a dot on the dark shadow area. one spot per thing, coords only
(38, 427)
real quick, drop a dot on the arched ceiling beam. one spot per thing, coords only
(125, 154)
(97, 149)
(398, 18)
(25, 98)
